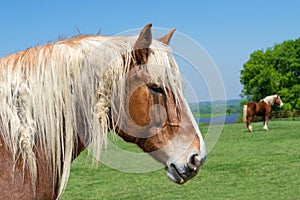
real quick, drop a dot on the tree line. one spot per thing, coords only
(274, 70)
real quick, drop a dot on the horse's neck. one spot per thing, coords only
(269, 100)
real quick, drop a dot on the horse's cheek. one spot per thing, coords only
(139, 107)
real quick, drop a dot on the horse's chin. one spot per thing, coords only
(174, 175)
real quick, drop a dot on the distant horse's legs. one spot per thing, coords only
(249, 119)
(266, 120)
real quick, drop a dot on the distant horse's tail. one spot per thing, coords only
(244, 113)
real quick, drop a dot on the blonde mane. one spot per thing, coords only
(269, 99)
(41, 88)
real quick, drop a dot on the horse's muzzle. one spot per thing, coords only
(180, 174)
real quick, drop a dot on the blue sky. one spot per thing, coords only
(228, 30)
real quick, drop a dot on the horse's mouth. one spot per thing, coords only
(175, 175)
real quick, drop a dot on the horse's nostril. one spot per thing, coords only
(194, 161)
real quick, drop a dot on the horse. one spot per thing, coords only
(261, 108)
(61, 98)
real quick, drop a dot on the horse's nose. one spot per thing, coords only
(195, 161)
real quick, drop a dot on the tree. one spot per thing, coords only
(275, 70)
(228, 111)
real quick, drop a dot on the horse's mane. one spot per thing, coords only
(269, 99)
(42, 87)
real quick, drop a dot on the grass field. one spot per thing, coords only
(242, 165)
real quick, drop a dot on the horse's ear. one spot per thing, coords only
(142, 44)
(166, 39)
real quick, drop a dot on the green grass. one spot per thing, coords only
(242, 165)
(207, 115)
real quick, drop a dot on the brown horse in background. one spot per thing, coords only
(261, 108)
(59, 99)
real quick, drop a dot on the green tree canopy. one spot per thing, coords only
(275, 70)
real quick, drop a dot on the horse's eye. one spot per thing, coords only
(156, 89)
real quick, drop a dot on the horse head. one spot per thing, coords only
(60, 98)
(277, 100)
(156, 115)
